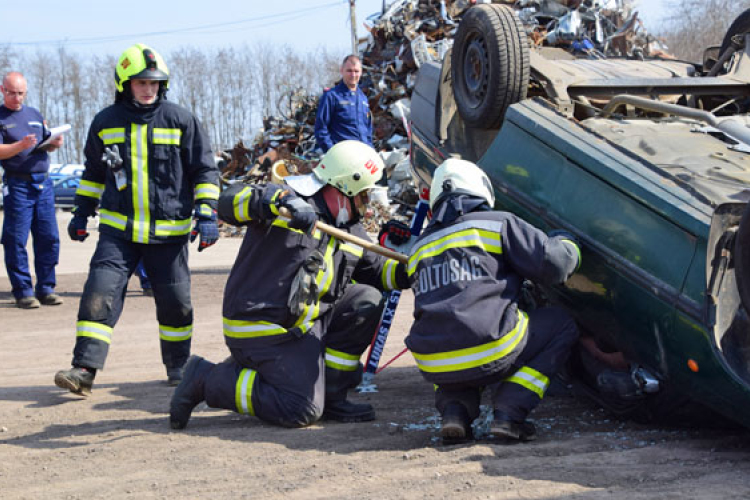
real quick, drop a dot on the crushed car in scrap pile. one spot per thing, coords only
(647, 163)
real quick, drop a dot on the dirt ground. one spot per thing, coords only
(118, 444)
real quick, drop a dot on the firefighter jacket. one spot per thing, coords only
(256, 310)
(167, 169)
(466, 276)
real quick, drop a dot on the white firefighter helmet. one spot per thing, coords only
(351, 167)
(454, 175)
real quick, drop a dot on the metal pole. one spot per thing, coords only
(353, 20)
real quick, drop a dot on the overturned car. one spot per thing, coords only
(647, 162)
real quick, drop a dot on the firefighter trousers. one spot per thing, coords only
(518, 390)
(103, 297)
(288, 384)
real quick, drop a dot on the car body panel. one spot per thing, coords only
(642, 208)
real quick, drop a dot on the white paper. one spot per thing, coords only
(54, 134)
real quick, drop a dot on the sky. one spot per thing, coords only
(108, 28)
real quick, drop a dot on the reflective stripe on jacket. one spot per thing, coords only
(466, 276)
(167, 169)
(256, 310)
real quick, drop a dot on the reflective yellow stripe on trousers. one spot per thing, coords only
(175, 334)
(139, 170)
(473, 357)
(531, 379)
(98, 331)
(341, 361)
(243, 392)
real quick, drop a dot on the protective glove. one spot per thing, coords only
(304, 290)
(112, 158)
(303, 215)
(568, 238)
(561, 233)
(393, 232)
(206, 226)
(77, 226)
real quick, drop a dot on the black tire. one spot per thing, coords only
(489, 64)
(739, 26)
(742, 258)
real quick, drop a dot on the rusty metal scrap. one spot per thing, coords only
(402, 38)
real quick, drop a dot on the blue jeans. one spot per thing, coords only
(30, 207)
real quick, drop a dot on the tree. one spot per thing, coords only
(694, 25)
(7, 57)
(230, 90)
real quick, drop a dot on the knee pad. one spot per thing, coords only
(173, 306)
(98, 299)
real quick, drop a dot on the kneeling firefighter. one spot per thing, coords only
(294, 321)
(149, 172)
(466, 270)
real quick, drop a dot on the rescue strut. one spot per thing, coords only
(389, 312)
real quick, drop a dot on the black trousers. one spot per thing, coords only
(288, 384)
(551, 335)
(112, 265)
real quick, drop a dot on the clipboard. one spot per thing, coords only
(54, 133)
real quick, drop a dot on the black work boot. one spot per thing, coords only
(189, 392)
(504, 426)
(346, 411)
(77, 380)
(456, 427)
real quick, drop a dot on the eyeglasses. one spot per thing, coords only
(11, 93)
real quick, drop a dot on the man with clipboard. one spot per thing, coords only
(28, 198)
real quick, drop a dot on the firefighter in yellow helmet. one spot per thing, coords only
(294, 322)
(151, 176)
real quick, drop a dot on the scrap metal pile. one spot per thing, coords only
(594, 28)
(401, 38)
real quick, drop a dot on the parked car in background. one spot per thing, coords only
(647, 163)
(65, 191)
(59, 171)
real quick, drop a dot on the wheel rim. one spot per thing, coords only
(475, 70)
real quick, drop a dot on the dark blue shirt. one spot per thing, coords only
(14, 126)
(343, 114)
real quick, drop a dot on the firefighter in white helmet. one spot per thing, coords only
(294, 321)
(466, 270)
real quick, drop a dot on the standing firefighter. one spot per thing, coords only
(466, 271)
(294, 322)
(149, 167)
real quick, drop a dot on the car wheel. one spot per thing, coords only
(742, 258)
(739, 26)
(489, 64)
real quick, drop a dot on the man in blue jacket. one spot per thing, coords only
(28, 198)
(343, 111)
